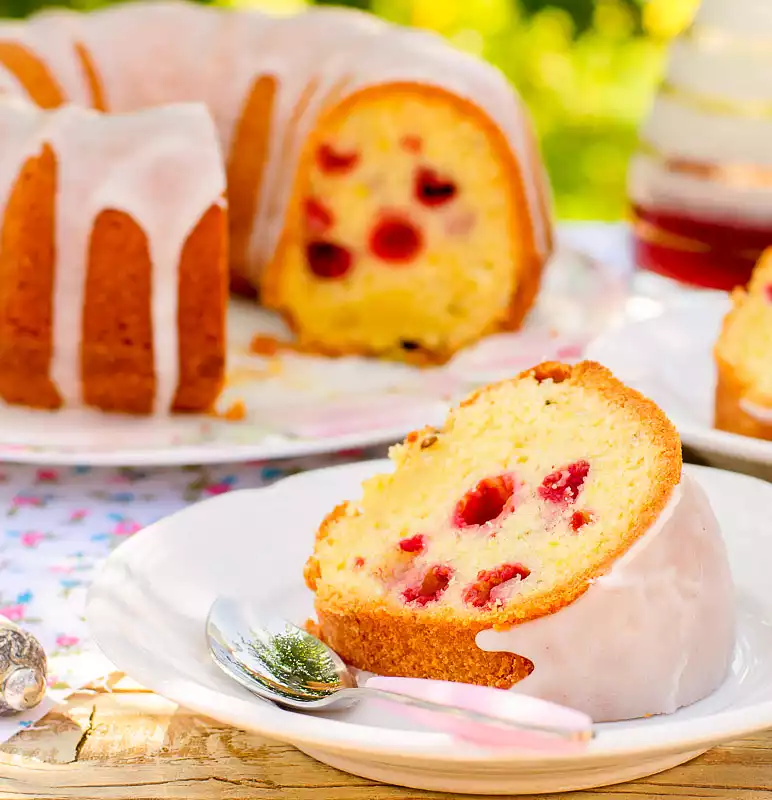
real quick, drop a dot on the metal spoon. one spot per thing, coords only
(279, 661)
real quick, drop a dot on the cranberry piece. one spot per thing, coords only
(328, 260)
(334, 162)
(413, 544)
(579, 519)
(412, 144)
(434, 582)
(359, 562)
(396, 240)
(486, 502)
(478, 594)
(319, 219)
(563, 485)
(432, 189)
(768, 292)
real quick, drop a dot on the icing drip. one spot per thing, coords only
(655, 633)
(760, 413)
(162, 168)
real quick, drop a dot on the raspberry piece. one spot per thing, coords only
(334, 162)
(412, 144)
(433, 584)
(413, 544)
(491, 498)
(328, 260)
(319, 219)
(432, 189)
(579, 519)
(563, 485)
(396, 240)
(359, 562)
(478, 594)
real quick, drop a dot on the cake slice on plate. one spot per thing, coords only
(743, 355)
(544, 534)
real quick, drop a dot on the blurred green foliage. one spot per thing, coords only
(587, 69)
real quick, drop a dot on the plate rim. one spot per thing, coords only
(698, 437)
(204, 454)
(341, 736)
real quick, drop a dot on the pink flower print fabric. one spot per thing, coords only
(57, 525)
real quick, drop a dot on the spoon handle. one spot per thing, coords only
(484, 715)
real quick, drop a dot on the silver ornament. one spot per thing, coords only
(22, 669)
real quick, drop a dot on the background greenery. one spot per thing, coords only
(586, 68)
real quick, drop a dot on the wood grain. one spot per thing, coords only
(119, 742)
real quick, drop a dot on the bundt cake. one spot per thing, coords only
(701, 182)
(543, 538)
(743, 355)
(384, 192)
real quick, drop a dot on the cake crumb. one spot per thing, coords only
(265, 345)
(236, 412)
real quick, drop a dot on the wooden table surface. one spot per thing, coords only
(119, 742)
(122, 743)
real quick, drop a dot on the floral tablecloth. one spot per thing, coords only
(58, 525)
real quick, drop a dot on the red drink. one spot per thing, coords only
(700, 252)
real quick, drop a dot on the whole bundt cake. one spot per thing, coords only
(544, 534)
(384, 192)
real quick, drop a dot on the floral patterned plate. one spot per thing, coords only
(295, 404)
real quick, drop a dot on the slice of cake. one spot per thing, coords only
(743, 355)
(552, 498)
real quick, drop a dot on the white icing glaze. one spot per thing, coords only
(654, 634)
(758, 412)
(150, 54)
(51, 36)
(162, 168)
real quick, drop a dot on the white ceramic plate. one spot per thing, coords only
(148, 605)
(668, 357)
(298, 405)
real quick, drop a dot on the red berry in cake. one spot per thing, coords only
(489, 500)
(319, 219)
(768, 292)
(563, 485)
(579, 519)
(478, 594)
(432, 189)
(359, 562)
(335, 162)
(413, 544)
(412, 144)
(434, 582)
(396, 240)
(328, 260)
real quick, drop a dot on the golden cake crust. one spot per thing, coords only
(399, 641)
(734, 384)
